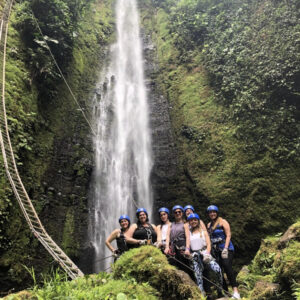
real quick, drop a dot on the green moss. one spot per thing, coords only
(40, 121)
(70, 242)
(275, 268)
(149, 264)
(217, 163)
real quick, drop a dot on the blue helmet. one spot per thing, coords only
(177, 207)
(163, 209)
(141, 209)
(188, 207)
(212, 207)
(124, 217)
(193, 216)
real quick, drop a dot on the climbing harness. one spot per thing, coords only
(149, 235)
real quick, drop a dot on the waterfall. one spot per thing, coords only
(123, 157)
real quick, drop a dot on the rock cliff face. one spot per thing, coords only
(57, 160)
(164, 177)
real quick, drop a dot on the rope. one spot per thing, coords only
(216, 285)
(101, 259)
(60, 72)
(134, 202)
(106, 269)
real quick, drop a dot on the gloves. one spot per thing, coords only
(207, 258)
(143, 242)
(224, 253)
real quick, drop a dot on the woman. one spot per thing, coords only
(178, 241)
(119, 235)
(142, 232)
(200, 251)
(189, 209)
(162, 228)
(223, 249)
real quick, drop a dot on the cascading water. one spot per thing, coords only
(123, 157)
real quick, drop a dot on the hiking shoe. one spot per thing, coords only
(236, 296)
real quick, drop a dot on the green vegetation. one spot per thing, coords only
(148, 264)
(141, 273)
(49, 135)
(274, 272)
(230, 70)
(100, 286)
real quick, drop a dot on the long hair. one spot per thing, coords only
(216, 223)
(161, 222)
(197, 227)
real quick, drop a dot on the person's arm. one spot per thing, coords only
(158, 231)
(112, 237)
(208, 225)
(154, 227)
(227, 230)
(167, 249)
(187, 239)
(128, 236)
(208, 243)
(202, 225)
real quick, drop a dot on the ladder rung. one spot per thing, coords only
(26, 202)
(62, 257)
(43, 235)
(33, 218)
(31, 213)
(68, 263)
(57, 251)
(35, 222)
(52, 245)
(39, 229)
(49, 242)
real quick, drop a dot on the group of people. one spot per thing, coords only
(187, 242)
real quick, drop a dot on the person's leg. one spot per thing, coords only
(227, 265)
(215, 267)
(198, 270)
(184, 264)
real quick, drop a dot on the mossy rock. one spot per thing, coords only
(148, 264)
(275, 268)
(23, 295)
(264, 290)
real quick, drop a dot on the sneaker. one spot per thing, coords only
(236, 295)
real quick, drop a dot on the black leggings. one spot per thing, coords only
(226, 265)
(181, 262)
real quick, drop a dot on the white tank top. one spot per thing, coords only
(164, 230)
(197, 240)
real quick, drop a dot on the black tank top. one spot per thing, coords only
(145, 233)
(121, 243)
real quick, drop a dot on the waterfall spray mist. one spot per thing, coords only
(123, 158)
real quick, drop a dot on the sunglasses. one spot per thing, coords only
(178, 212)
